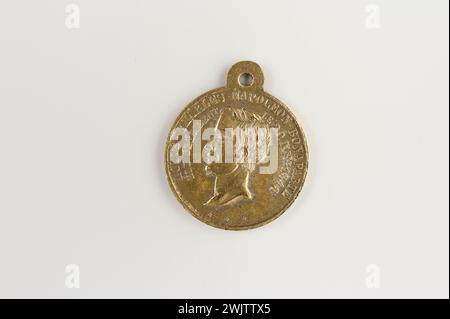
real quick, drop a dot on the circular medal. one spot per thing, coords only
(236, 158)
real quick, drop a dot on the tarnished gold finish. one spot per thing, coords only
(236, 195)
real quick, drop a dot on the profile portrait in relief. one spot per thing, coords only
(232, 180)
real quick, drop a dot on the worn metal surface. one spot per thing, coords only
(237, 196)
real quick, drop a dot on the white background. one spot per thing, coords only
(84, 114)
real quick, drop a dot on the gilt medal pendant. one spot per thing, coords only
(236, 158)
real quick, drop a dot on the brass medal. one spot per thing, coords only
(236, 158)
